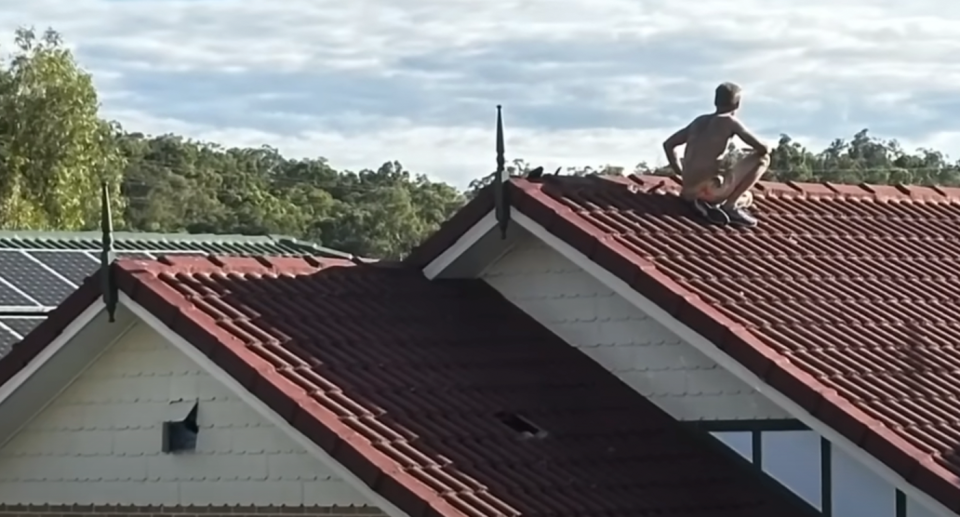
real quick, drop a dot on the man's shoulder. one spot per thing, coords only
(714, 121)
(709, 117)
(699, 122)
(701, 118)
(722, 121)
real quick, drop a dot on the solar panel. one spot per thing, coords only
(14, 329)
(21, 325)
(7, 339)
(75, 266)
(31, 277)
(9, 296)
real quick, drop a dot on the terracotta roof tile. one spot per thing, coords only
(414, 386)
(845, 298)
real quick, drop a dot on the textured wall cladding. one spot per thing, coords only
(643, 353)
(13, 510)
(99, 441)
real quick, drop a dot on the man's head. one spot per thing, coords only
(727, 97)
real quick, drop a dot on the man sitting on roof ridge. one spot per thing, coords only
(719, 193)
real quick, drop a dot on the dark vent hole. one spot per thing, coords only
(521, 425)
(181, 436)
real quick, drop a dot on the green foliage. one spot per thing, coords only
(172, 185)
(55, 150)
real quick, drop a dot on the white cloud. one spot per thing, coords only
(589, 81)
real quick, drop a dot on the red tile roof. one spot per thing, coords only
(412, 384)
(845, 298)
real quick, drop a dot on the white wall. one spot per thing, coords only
(602, 324)
(99, 441)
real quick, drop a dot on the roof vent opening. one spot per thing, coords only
(181, 435)
(524, 427)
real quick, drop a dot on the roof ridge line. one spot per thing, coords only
(253, 264)
(897, 192)
(137, 235)
(650, 183)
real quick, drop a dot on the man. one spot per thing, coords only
(717, 192)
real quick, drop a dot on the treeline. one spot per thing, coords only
(171, 185)
(55, 150)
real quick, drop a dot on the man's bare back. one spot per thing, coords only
(707, 140)
(706, 184)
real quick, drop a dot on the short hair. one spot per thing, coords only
(727, 95)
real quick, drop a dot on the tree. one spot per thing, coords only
(863, 159)
(172, 184)
(54, 148)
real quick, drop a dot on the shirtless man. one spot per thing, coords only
(716, 193)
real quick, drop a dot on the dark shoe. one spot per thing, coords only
(740, 217)
(711, 213)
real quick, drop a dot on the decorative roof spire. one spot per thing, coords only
(108, 285)
(501, 158)
(501, 202)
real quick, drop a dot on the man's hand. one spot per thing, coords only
(675, 166)
(672, 159)
(670, 148)
(749, 138)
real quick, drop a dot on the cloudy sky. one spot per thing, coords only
(583, 82)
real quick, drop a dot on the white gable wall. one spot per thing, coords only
(605, 326)
(99, 441)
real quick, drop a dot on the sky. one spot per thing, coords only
(582, 82)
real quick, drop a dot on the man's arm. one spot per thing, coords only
(748, 137)
(670, 147)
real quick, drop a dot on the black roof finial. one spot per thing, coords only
(501, 202)
(501, 158)
(108, 286)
